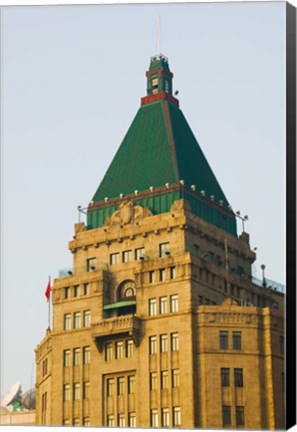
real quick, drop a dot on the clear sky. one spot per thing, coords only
(72, 78)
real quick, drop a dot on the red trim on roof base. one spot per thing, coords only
(159, 96)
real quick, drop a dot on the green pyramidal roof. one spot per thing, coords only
(160, 149)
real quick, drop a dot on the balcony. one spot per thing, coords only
(125, 325)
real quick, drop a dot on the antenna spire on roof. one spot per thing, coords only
(158, 36)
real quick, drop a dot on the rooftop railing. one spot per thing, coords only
(268, 283)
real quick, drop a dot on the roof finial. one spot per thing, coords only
(158, 36)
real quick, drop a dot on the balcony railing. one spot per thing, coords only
(125, 324)
(69, 271)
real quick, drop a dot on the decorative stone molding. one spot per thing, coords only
(128, 213)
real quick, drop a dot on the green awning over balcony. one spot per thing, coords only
(119, 304)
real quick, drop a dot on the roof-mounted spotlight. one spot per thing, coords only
(238, 213)
(106, 199)
(212, 197)
(182, 182)
(221, 202)
(141, 258)
(136, 192)
(70, 272)
(151, 188)
(167, 185)
(91, 203)
(202, 192)
(121, 196)
(78, 207)
(193, 187)
(167, 252)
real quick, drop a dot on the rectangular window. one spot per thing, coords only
(119, 350)
(151, 276)
(238, 377)
(161, 275)
(86, 355)
(110, 387)
(236, 340)
(139, 253)
(283, 381)
(91, 264)
(164, 380)
(164, 249)
(172, 272)
(108, 351)
(132, 420)
(223, 340)
(86, 390)
(153, 344)
(239, 415)
(66, 358)
(163, 343)
(174, 342)
(76, 356)
(282, 344)
(76, 422)
(176, 416)
(86, 289)
(152, 307)
(44, 367)
(127, 256)
(153, 381)
(175, 378)
(110, 421)
(67, 321)
(165, 417)
(226, 414)
(154, 418)
(225, 377)
(86, 421)
(163, 305)
(76, 320)
(75, 290)
(87, 318)
(66, 292)
(174, 303)
(129, 348)
(66, 392)
(122, 420)
(131, 384)
(76, 391)
(121, 385)
(114, 258)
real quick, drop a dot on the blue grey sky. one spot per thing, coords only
(72, 79)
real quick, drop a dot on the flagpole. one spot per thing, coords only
(49, 307)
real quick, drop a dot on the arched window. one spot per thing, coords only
(126, 290)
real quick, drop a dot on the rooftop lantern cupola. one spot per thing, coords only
(159, 81)
(159, 77)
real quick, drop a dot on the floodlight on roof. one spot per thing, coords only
(193, 187)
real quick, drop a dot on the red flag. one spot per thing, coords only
(48, 290)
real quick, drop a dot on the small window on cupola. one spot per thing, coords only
(155, 84)
(166, 86)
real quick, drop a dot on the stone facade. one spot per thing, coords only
(159, 324)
